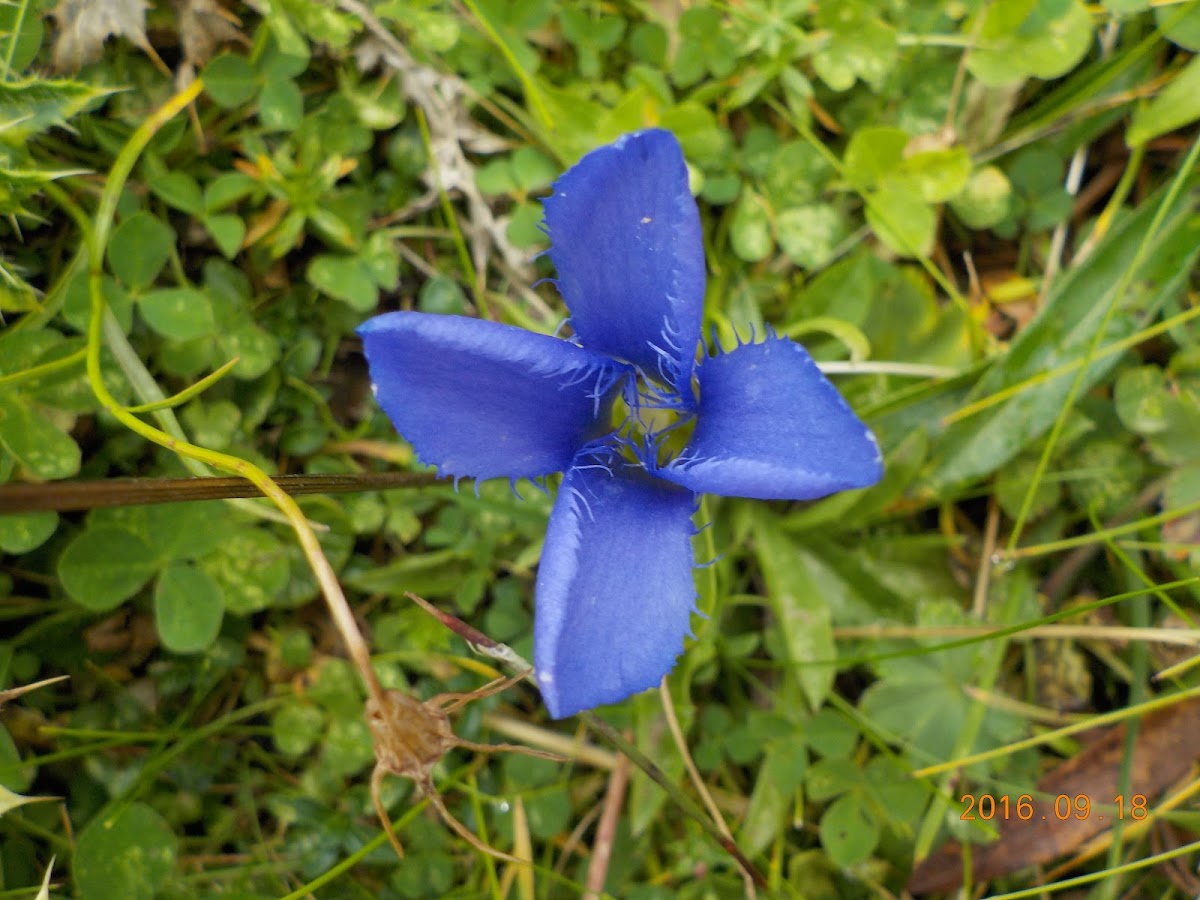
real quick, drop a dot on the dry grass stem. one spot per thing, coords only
(606, 830)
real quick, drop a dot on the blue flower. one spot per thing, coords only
(614, 589)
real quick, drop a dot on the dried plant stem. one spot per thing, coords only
(983, 577)
(14, 693)
(694, 774)
(97, 241)
(1058, 241)
(885, 367)
(606, 830)
(62, 496)
(483, 644)
(1111, 633)
(554, 741)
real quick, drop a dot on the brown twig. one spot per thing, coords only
(606, 830)
(70, 496)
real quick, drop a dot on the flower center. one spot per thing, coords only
(651, 425)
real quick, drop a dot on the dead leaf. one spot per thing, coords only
(203, 26)
(1167, 745)
(84, 26)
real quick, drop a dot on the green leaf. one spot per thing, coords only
(938, 174)
(750, 229)
(796, 174)
(775, 792)
(378, 106)
(188, 609)
(36, 443)
(77, 306)
(860, 46)
(831, 734)
(438, 572)
(17, 186)
(648, 43)
(14, 774)
(104, 566)
(891, 785)
(228, 231)
(1176, 105)
(1116, 471)
(344, 278)
(706, 46)
(524, 225)
(16, 294)
(381, 260)
(296, 726)
(827, 778)
(1020, 38)
(985, 199)
(873, 153)
(36, 104)
(27, 40)
(126, 854)
(281, 105)
(901, 218)
(180, 190)
(181, 314)
(495, 177)
(256, 348)
(251, 569)
(919, 699)
(442, 294)
(212, 423)
(810, 234)
(139, 248)
(174, 531)
(288, 41)
(1165, 412)
(1139, 397)
(227, 188)
(801, 612)
(347, 746)
(531, 169)
(230, 80)
(437, 31)
(850, 829)
(1012, 485)
(1180, 23)
(26, 531)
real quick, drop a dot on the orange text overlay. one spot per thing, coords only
(1026, 807)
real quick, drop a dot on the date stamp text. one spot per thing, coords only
(1064, 807)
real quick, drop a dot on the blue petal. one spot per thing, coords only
(482, 399)
(614, 588)
(625, 240)
(771, 426)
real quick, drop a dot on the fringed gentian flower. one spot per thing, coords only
(481, 399)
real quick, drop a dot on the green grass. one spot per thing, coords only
(981, 218)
